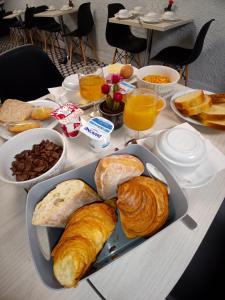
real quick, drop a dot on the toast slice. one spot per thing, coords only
(218, 98)
(13, 111)
(215, 112)
(189, 100)
(197, 109)
(218, 124)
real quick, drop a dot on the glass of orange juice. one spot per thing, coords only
(91, 79)
(142, 107)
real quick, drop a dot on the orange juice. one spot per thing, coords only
(140, 111)
(90, 87)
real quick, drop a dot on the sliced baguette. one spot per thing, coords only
(219, 124)
(197, 109)
(218, 98)
(215, 112)
(189, 100)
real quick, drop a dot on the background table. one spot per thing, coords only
(150, 27)
(148, 272)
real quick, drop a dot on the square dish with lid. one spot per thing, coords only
(117, 245)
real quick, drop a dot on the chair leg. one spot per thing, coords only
(138, 60)
(114, 56)
(70, 52)
(186, 74)
(83, 50)
(91, 45)
(126, 57)
(31, 36)
(45, 41)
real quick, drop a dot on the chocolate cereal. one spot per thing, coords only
(32, 163)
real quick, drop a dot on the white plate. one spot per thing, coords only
(148, 21)
(130, 15)
(170, 19)
(51, 123)
(179, 114)
(132, 79)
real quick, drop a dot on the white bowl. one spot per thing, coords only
(161, 88)
(71, 82)
(25, 141)
(181, 149)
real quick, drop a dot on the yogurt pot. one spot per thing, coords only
(98, 131)
(182, 150)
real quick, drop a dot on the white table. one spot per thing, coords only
(59, 13)
(148, 272)
(151, 27)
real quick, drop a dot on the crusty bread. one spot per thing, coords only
(13, 111)
(217, 124)
(189, 100)
(197, 109)
(217, 98)
(23, 126)
(56, 207)
(215, 112)
(143, 206)
(85, 234)
(114, 170)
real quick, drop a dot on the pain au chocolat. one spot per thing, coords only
(143, 206)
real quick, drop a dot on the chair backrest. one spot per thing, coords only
(40, 22)
(199, 42)
(26, 73)
(85, 21)
(115, 32)
(29, 17)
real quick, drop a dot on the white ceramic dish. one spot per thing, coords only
(149, 21)
(71, 82)
(163, 88)
(118, 16)
(172, 19)
(179, 114)
(25, 141)
(51, 123)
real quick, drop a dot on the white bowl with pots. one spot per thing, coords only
(25, 141)
(161, 88)
(182, 150)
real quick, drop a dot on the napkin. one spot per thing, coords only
(62, 96)
(206, 171)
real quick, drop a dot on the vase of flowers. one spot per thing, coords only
(113, 106)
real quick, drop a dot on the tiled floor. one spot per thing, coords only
(65, 69)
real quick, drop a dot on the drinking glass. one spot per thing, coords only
(91, 79)
(142, 107)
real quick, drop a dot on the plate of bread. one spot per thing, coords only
(95, 214)
(200, 108)
(17, 116)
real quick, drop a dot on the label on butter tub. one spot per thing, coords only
(98, 130)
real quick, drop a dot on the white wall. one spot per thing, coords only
(207, 72)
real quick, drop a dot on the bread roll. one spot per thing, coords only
(13, 111)
(114, 170)
(86, 232)
(143, 206)
(61, 202)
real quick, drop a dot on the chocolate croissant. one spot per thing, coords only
(143, 206)
(84, 236)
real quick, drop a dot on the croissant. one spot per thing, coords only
(84, 236)
(143, 206)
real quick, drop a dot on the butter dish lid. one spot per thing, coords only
(181, 146)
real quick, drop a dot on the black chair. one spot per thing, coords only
(121, 37)
(182, 57)
(48, 26)
(85, 23)
(26, 73)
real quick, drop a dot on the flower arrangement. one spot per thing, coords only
(170, 4)
(113, 102)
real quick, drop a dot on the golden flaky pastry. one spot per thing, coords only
(84, 236)
(114, 170)
(143, 206)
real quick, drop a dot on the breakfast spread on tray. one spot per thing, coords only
(32, 163)
(208, 109)
(142, 204)
(20, 116)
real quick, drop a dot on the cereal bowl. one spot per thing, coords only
(25, 141)
(161, 88)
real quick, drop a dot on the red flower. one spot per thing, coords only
(118, 97)
(115, 78)
(171, 2)
(105, 88)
